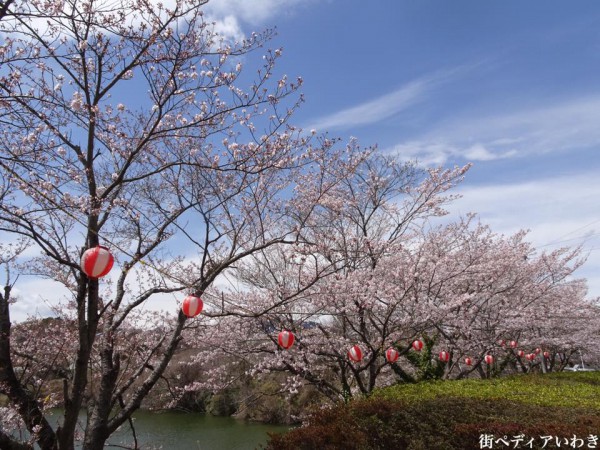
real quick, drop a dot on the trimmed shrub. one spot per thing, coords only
(443, 421)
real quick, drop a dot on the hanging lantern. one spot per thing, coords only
(417, 345)
(285, 339)
(538, 351)
(192, 306)
(355, 354)
(468, 361)
(521, 353)
(96, 262)
(546, 355)
(489, 359)
(530, 356)
(444, 356)
(513, 344)
(391, 354)
(502, 342)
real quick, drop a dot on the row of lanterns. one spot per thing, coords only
(521, 353)
(98, 261)
(391, 354)
(355, 354)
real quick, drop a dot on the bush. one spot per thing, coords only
(223, 403)
(444, 421)
(329, 429)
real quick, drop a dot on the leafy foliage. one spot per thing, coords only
(556, 389)
(453, 415)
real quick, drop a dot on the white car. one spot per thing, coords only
(579, 368)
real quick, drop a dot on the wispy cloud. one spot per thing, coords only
(552, 127)
(549, 206)
(374, 110)
(390, 103)
(438, 152)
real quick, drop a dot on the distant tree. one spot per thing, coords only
(133, 125)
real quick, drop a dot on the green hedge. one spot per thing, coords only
(455, 414)
(579, 389)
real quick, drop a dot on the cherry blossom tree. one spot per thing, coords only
(135, 126)
(502, 291)
(367, 217)
(459, 288)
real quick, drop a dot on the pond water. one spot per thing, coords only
(192, 431)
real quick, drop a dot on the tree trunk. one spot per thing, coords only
(97, 430)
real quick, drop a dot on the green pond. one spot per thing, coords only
(183, 431)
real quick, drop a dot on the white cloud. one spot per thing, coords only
(559, 204)
(36, 297)
(252, 12)
(552, 127)
(226, 14)
(229, 28)
(229, 15)
(478, 152)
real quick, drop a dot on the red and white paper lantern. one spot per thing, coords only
(530, 356)
(513, 344)
(355, 354)
(521, 353)
(391, 355)
(285, 339)
(546, 355)
(96, 262)
(192, 306)
(489, 359)
(468, 361)
(538, 351)
(444, 356)
(417, 345)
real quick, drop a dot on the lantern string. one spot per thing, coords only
(143, 262)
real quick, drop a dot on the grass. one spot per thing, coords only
(572, 389)
(455, 414)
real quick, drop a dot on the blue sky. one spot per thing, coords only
(512, 87)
